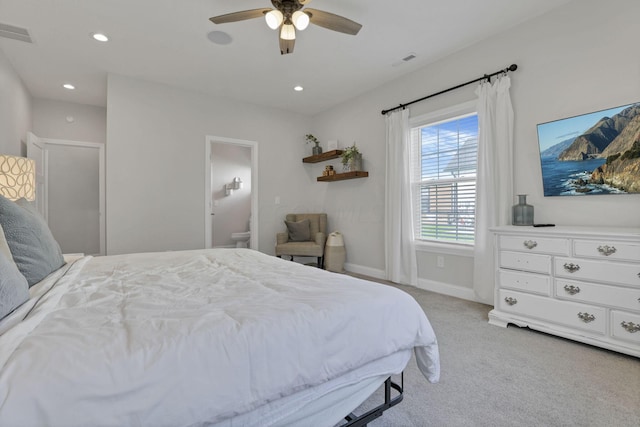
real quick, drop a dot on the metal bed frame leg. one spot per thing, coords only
(362, 420)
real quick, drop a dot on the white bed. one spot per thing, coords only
(223, 337)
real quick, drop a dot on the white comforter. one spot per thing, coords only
(195, 337)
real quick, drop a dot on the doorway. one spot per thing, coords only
(231, 191)
(70, 192)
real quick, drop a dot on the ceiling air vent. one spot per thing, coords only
(410, 56)
(16, 33)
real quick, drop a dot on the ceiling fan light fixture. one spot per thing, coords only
(300, 20)
(100, 37)
(288, 32)
(274, 19)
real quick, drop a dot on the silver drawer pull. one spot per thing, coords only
(530, 244)
(586, 317)
(571, 267)
(511, 301)
(630, 327)
(607, 250)
(571, 290)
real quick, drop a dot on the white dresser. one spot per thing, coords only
(581, 283)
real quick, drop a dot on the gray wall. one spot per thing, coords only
(156, 164)
(69, 121)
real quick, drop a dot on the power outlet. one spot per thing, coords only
(440, 261)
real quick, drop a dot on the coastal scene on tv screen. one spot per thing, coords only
(595, 153)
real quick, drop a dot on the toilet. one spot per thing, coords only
(241, 239)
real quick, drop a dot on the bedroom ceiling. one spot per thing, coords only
(166, 41)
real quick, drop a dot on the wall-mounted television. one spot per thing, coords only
(594, 153)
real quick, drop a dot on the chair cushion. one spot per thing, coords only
(300, 249)
(299, 231)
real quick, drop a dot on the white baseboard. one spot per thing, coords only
(447, 289)
(367, 271)
(427, 285)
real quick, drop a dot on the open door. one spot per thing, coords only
(37, 151)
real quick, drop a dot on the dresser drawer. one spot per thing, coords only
(533, 244)
(527, 262)
(598, 271)
(607, 249)
(525, 281)
(580, 316)
(595, 293)
(625, 326)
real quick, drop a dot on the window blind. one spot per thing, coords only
(444, 168)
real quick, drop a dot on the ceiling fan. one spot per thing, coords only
(289, 16)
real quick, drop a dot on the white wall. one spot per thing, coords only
(15, 110)
(156, 164)
(69, 121)
(580, 58)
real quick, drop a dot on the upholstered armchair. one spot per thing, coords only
(305, 236)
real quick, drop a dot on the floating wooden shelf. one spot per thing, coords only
(342, 176)
(333, 154)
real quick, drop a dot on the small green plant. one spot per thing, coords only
(350, 153)
(612, 158)
(633, 152)
(311, 138)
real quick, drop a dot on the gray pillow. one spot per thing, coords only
(14, 290)
(4, 246)
(299, 231)
(34, 249)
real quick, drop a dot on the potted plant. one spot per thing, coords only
(352, 158)
(316, 148)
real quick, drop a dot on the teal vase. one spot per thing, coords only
(522, 212)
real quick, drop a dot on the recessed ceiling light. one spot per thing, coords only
(100, 37)
(68, 86)
(298, 88)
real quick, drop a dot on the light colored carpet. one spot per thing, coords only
(493, 376)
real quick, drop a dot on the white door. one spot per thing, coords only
(36, 150)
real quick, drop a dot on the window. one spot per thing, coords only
(444, 164)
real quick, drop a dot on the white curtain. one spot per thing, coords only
(400, 256)
(494, 188)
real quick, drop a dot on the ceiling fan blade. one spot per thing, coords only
(304, 2)
(286, 46)
(332, 21)
(239, 16)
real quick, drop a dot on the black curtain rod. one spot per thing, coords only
(512, 67)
